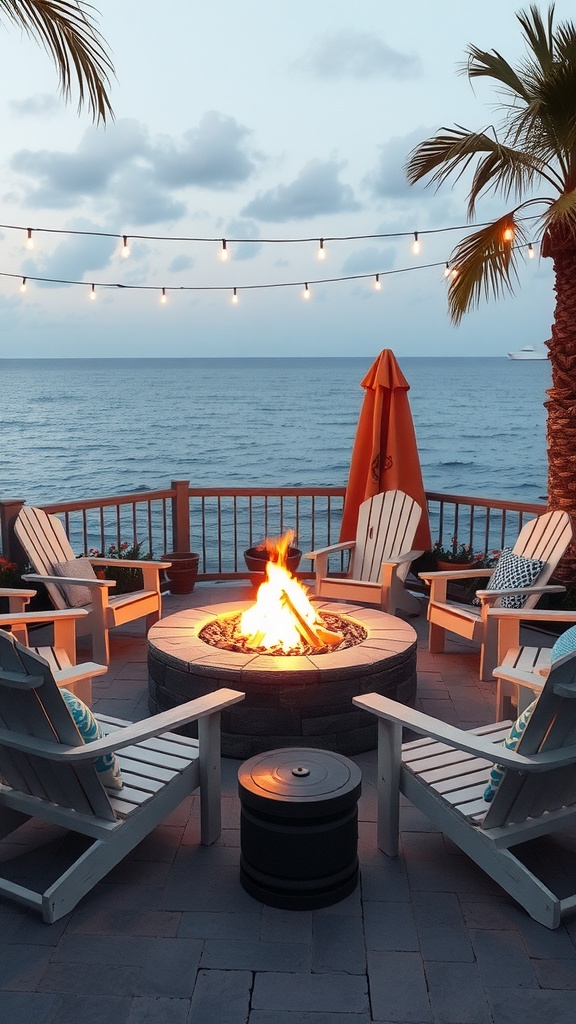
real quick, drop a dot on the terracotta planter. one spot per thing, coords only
(183, 571)
(256, 559)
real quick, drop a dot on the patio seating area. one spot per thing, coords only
(170, 935)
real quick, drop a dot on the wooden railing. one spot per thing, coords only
(220, 523)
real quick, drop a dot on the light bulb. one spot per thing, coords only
(454, 273)
(92, 293)
(508, 234)
(163, 297)
(125, 251)
(416, 244)
(29, 239)
(235, 296)
(23, 285)
(531, 253)
(307, 292)
(378, 283)
(224, 254)
(447, 270)
(321, 250)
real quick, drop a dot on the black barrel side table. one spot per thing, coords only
(299, 827)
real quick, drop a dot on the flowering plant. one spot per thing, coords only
(458, 552)
(127, 579)
(9, 574)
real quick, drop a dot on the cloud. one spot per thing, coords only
(74, 256)
(180, 263)
(388, 178)
(350, 54)
(41, 104)
(210, 156)
(316, 190)
(244, 229)
(137, 175)
(369, 261)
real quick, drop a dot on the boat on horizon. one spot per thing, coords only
(529, 352)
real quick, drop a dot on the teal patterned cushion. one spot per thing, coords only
(107, 766)
(565, 644)
(514, 571)
(511, 742)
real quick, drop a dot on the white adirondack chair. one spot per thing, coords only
(522, 669)
(46, 544)
(380, 556)
(61, 654)
(545, 539)
(445, 775)
(48, 772)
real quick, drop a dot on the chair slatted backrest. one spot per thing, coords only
(546, 539)
(386, 528)
(551, 727)
(31, 705)
(45, 542)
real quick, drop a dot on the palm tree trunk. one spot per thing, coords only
(561, 404)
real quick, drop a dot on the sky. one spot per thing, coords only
(270, 122)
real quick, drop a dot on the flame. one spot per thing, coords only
(282, 609)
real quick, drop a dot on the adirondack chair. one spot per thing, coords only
(446, 773)
(380, 555)
(522, 669)
(61, 654)
(47, 772)
(543, 539)
(46, 544)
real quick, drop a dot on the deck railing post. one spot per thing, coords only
(181, 516)
(9, 546)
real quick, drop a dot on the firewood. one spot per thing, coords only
(307, 632)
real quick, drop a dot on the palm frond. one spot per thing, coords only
(561, 215)
(66, 30)
(490, 64)
(484, 265)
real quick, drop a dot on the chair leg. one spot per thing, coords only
(436, 639)
(101, 646)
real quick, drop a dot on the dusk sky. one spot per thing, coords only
(263, 121)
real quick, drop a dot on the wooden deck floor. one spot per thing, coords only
(171, 936)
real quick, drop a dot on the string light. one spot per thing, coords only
(23, 286)
(163, 297)
(93, 293)
(378, 283)
(29, 239)
(531, 253)
(321, 250)
(235, 296)
(307, 293)
(224, 254)
(508, 234)
(447, 270)
(125, 251)
(416, 244)
(454, 273)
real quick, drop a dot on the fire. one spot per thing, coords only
(283, 616)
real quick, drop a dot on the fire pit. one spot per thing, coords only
(291, 700)
(299, 664)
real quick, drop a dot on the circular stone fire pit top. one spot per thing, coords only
(223, 632)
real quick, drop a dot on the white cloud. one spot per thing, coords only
(351, 54)
(316, 190)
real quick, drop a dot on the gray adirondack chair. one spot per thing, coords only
(544, 539)
(46, 544)
(445, 775)
(61, 653)
(47, 772)
(380, 555)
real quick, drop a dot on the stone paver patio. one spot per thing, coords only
(170, 935)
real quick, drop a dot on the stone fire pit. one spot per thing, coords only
(291, 700)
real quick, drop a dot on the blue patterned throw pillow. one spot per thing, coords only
(565, 644)
(107, 766)
(511, 742)
(513, 571)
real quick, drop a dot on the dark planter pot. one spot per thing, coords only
(256, 559)
(183, 572)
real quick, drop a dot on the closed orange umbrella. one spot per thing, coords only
(385, 454)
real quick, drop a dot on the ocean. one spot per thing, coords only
(80, 428)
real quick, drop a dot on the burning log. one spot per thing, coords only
(315, 635)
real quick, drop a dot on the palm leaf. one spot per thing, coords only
(66, 31)
(484, 265)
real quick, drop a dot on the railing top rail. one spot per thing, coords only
(265, 492)
(115, 499)
(496, 503)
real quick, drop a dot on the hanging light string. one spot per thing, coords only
(376, 276)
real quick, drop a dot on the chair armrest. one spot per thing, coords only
(126, 735)
(69, 579)
(130, 563)
(455, 574)
(535, 614)
(16, 592)
(519, 678)
(74, 673)
(551, 588)
(332, 548)
(459, 739)
(33, 618)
